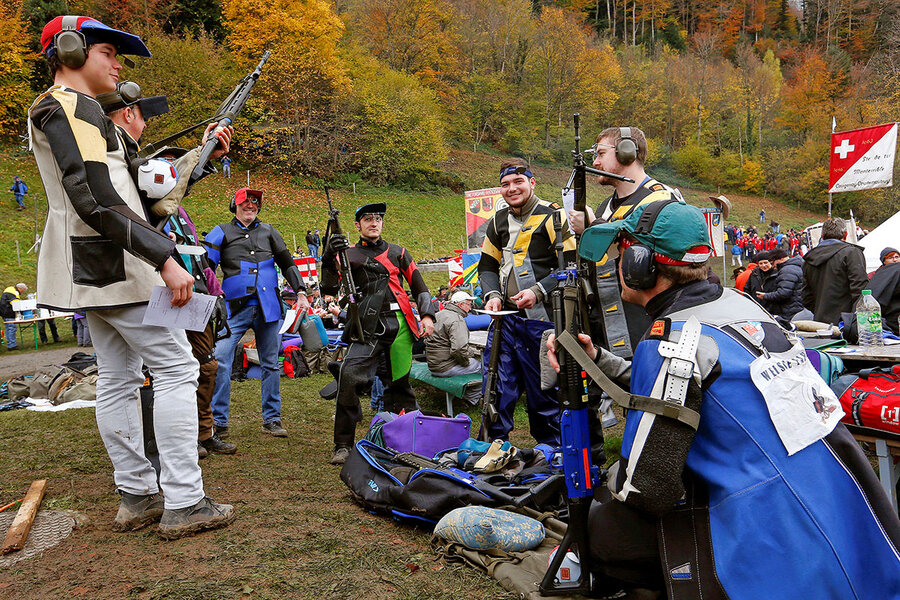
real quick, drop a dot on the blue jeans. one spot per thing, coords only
(313, 251)
(268, 344)
(20, 199)
(10, 334)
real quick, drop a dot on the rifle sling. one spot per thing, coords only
(671, 410)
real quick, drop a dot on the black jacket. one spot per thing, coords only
(785, 300)
(834, 273)
(760, 281)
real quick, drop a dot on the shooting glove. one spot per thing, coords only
(336, 243)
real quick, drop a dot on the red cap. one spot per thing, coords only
(94, 31)
(241, 195)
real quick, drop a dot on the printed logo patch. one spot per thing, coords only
(681, 573)
(658, 329)
(754, 330)
(373, 485)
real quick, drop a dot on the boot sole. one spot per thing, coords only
(273, 434)
(180, 531)
(140, 523)
(232, 451)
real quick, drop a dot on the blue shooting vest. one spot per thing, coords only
(780, 526)
(250, 276)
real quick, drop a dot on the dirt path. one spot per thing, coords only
(12, 365)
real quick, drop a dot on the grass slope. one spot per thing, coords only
(430, 223)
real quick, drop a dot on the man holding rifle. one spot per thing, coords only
(386, 319)
(517, 261)
(620, 151)
(101, 256)
(732, 445)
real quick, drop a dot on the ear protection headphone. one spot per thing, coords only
(71, 47)
(639, 270)
(626, 147)
(233, 206)
(125, 94)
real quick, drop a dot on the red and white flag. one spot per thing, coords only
(863, 159)
(715, 226)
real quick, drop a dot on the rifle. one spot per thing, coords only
(569, 314)
(351, 293)
(489, 413)
(225, 116)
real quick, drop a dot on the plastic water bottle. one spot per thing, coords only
(868, 320)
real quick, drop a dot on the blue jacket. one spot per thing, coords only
(750, 521)
(248, 256)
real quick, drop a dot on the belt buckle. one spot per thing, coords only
(680, 368)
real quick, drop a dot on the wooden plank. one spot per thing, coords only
(21, 525)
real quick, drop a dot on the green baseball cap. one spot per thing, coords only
(674, 230)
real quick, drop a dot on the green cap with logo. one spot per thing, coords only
(674, 230)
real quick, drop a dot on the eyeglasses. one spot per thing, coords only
(372, 217)
(252, 200)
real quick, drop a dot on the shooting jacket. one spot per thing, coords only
(816, 520)
(247, 256)
(622, 323)
(377, 268)
(98, 250)
(518, 254)
(449, 345)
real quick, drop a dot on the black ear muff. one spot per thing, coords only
(233, 206)
(639, 269)
(71, 47)
(626, 147)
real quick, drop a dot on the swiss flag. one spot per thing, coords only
(862, 158)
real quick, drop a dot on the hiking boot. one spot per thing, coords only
(137, 511)
(201, 451)
(215, 445)
(341, 453)
(206, 514)
(274, 428)
(222, 432)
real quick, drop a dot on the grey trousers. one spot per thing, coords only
(123, 344)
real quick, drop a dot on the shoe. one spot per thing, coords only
(12, 347)
(222, 432)
(341, 454)
(215, 445)
(201, 451)
(206, 514)
(137, 511)
(274, 428)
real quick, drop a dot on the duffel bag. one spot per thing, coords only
(380, 482)
(871, 398)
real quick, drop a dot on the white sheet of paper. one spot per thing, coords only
(289, 317)
(185, 249)
(568, 198)
(495, 313)
(802, 406)
(193, 316)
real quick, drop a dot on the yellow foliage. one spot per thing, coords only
(15, 67)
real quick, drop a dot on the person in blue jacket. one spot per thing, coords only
(743, 483)
(19, 189)
(247, 250)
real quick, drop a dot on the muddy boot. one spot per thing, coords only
(206, 514)
(137, 511)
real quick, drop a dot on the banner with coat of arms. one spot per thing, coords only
(480, 207)
(716, 229)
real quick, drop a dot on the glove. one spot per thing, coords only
(336, 243)
(220, 311)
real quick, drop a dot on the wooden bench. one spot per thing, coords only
(453, 387)
(887, 448)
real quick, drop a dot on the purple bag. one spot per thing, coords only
(425, 434)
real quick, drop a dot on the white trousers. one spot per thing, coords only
(123, 345)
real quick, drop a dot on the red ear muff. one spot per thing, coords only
(639, 270)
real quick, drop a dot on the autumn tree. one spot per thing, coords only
(15, 68)
(304, 75)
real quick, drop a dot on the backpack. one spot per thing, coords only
(295, 364)
(871, 398)
(829, 367)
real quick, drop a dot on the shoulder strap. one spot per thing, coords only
(672, 410)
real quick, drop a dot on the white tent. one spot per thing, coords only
(886, 234)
